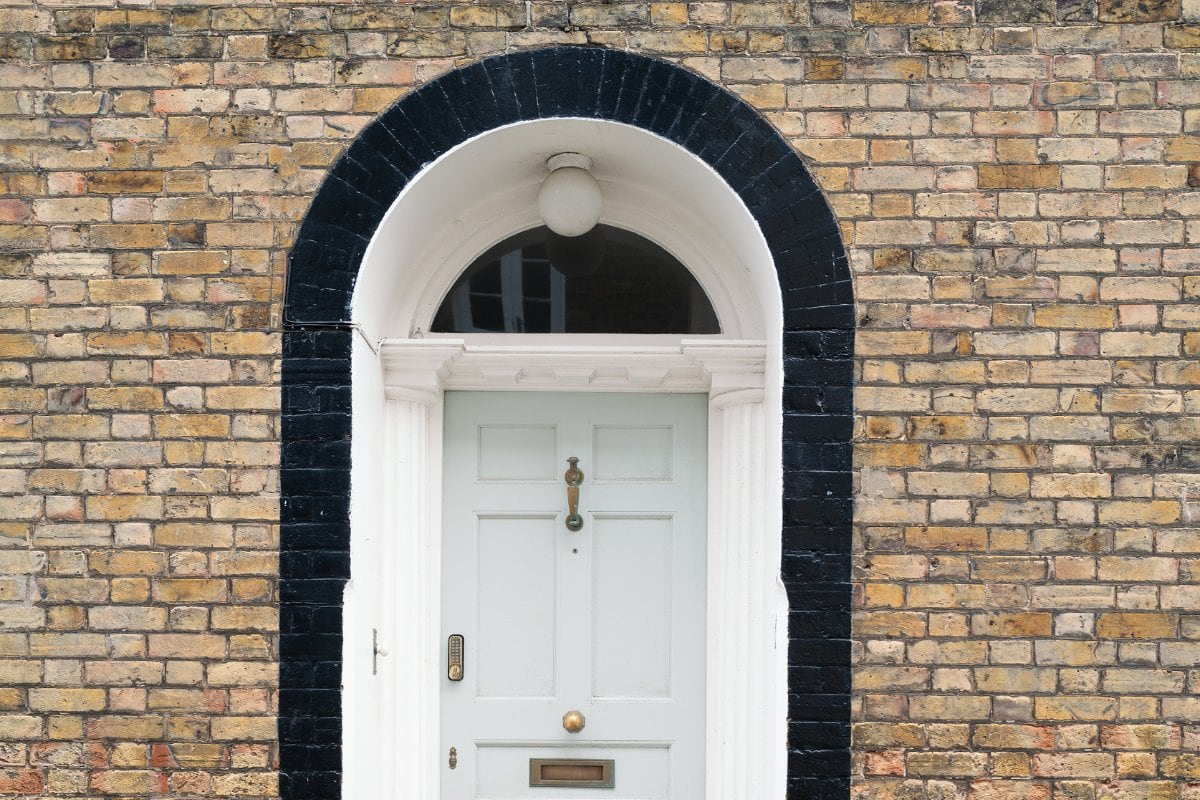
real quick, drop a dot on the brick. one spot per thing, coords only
(127, 618)
(187, 426)
(126, 782)
(66, 700)
(950, 96)
(1071, 485)
(1009, 568)
(1065, 708)
(186, 645)
(950, 708)
(125, 727)
(1140, 122)
(947, 764)
(1075, 317)
(133, 398)
(242, 618)
(1082, 765)
(192, 371)
(1016, 680)
(958, 484)
(125, 344)
(1136, 625)
(890, 623)
(1147, 11)
(193, 263)
(1015, 343)
(123, 673)
(890, 12)
(944, 596)
(1011, 624)
(1079, 94)
(946, 538)
(1137, 176)
(1013, 123)
(1137, 511)
(874, 178)
(1143, 681)
(243, 728)
(190, 590)
(128, 563)
(21, 781)
(1135, 737)
(1139, 344)
(119, 508)
(1014, 737)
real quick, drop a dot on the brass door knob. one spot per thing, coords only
(573, 722)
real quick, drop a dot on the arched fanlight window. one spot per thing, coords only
(607, 281)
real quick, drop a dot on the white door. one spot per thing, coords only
(606, 620)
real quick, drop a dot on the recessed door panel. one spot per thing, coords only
(633, 453)
(631, 607)
(517, 453)
(516, 576)
(603, 619)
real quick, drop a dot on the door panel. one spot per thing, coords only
(633, 453)
(518, 453)
(516, 580)
(632, 560)
(607, 620)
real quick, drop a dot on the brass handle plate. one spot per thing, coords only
(581, 773)
(573, 721)
(454, 657)
(574, 477)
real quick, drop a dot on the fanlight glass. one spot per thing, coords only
(607, 281)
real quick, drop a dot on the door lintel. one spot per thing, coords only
(716, 366)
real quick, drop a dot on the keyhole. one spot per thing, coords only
(575, 550)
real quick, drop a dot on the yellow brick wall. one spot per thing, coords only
(1014, 180)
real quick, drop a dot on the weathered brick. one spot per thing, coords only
(1144, 11)
(1068, 708)
(1136, 625)
(65, 700)
(1011, 624)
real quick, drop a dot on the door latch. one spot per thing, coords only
(376, 651)
(454, 657)
(453, 761)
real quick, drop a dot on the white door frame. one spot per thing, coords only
(472, 197)
(743, 623)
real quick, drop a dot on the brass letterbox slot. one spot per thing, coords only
(586, 773)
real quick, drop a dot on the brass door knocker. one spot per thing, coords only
(574, 477)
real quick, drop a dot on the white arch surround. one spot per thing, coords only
(460, 205)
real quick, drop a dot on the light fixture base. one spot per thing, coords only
(577, 160)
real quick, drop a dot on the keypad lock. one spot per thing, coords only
(454, 657)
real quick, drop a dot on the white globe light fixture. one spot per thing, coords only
(570, 200)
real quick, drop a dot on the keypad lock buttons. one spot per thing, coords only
(454, 657)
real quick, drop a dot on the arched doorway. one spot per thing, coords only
(689, 167)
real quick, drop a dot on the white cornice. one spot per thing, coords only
(687, 365)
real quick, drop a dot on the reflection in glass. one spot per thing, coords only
(607, 281)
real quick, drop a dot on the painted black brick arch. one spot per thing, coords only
(814, 278)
